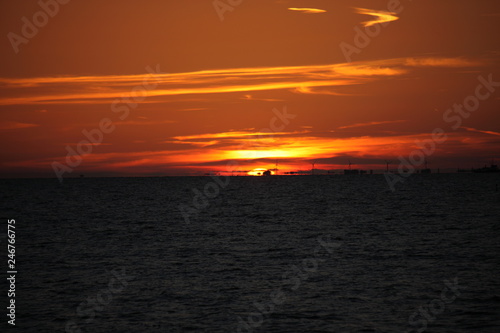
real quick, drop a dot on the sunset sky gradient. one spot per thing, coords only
(219, 89)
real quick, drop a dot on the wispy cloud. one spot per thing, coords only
(251, 98)
(308, 10)
(234, 134)
(193, 109)
(212, 150)
(308, 90)
(372, 123)
(304, 79)
(380, 16)
(144, 123)
(442, 62)
(470, 129)
(10, 125)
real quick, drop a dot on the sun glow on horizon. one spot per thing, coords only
(260, 172)
(278, 100)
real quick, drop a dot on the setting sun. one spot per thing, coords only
(260, 172)
(344, 91)
(241, 166)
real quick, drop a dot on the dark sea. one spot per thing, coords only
(254, 254)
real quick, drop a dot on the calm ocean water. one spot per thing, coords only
(266, 254)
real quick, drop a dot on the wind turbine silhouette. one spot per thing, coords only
(275, 168)
(387, 162)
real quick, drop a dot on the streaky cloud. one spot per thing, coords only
(471, 129)
(441, 62)
(234, 134)
(372, 123)
(380, 16)
(308, 10)
(10, 125)
(308, 90)
(304, 79)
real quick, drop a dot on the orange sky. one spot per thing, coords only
(174, 90)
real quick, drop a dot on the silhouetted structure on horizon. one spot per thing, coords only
(353, 171)
(426, 169)
(492, 168)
